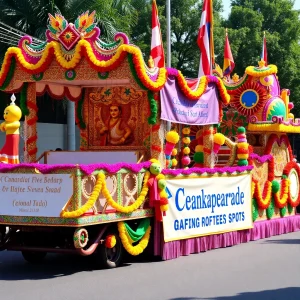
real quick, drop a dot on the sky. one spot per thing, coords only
(226, 6)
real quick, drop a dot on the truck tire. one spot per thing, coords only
(110, 258)
(34, 257)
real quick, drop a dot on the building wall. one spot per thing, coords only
(50, 137)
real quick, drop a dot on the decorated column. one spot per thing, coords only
(31, 118)
(208, 135)
(157, 137)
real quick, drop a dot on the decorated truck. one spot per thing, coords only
(222, 174)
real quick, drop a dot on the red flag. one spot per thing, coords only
(157, 49)
(229, 64)
(205, 39)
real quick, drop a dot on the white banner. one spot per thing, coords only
(34, 194)
(205, 206)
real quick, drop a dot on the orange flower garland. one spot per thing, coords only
(281, 197)
(263, 198)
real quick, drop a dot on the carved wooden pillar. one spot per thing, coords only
(30, 129)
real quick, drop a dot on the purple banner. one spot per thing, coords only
(177, 108)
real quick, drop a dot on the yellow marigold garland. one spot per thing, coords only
(83, 45)
(255, 72)
(273, 128)
(89, 204)
(101, 186)
(188, 91)
(126, 209)
(127, 243)
(204, 80)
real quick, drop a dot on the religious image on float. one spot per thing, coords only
(115, 129)
(113, 118)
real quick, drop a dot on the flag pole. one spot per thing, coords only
(168, 33)
(168, 11)
(212, 46)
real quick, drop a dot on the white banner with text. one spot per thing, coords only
(205, 206)
(36, 195)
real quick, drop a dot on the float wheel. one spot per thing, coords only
(81, 238)
(110, 257)
(34, 257)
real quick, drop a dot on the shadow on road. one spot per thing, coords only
(286, 242)
(54, 265)
(291, 293)
(14, 267)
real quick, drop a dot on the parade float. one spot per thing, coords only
(223, 174)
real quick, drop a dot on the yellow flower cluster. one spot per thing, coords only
(134, 206)
(100, 186)
(127, 242)
(274, 128)
(89, 204)
(255, 72)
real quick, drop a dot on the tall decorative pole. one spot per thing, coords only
(168, 8)
(31, 125)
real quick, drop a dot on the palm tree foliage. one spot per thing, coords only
(30, 16)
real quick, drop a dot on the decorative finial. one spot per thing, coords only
(13, 99)
(151, 62)
(235, 77)
(261, 64)
(226, 31)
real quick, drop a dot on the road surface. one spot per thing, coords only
(261, 270)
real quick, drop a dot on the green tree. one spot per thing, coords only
(185, 20)
(30, 16)
(248, 20)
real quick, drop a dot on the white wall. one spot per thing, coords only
(50, 137)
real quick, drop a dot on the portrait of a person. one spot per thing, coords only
(115, 130)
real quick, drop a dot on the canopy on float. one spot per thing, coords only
(74, 59)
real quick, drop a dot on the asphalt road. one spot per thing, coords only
(263, 270)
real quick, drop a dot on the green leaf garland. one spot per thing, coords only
(254, 209)
(270, 209)
(153, 109)
(283, 211)
(103, 75)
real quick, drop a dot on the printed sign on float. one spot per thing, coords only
(36, 195)
(177, 108)
(205, 206)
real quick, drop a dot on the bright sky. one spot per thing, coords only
(226, 6)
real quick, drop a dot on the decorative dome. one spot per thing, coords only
(274, 107)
